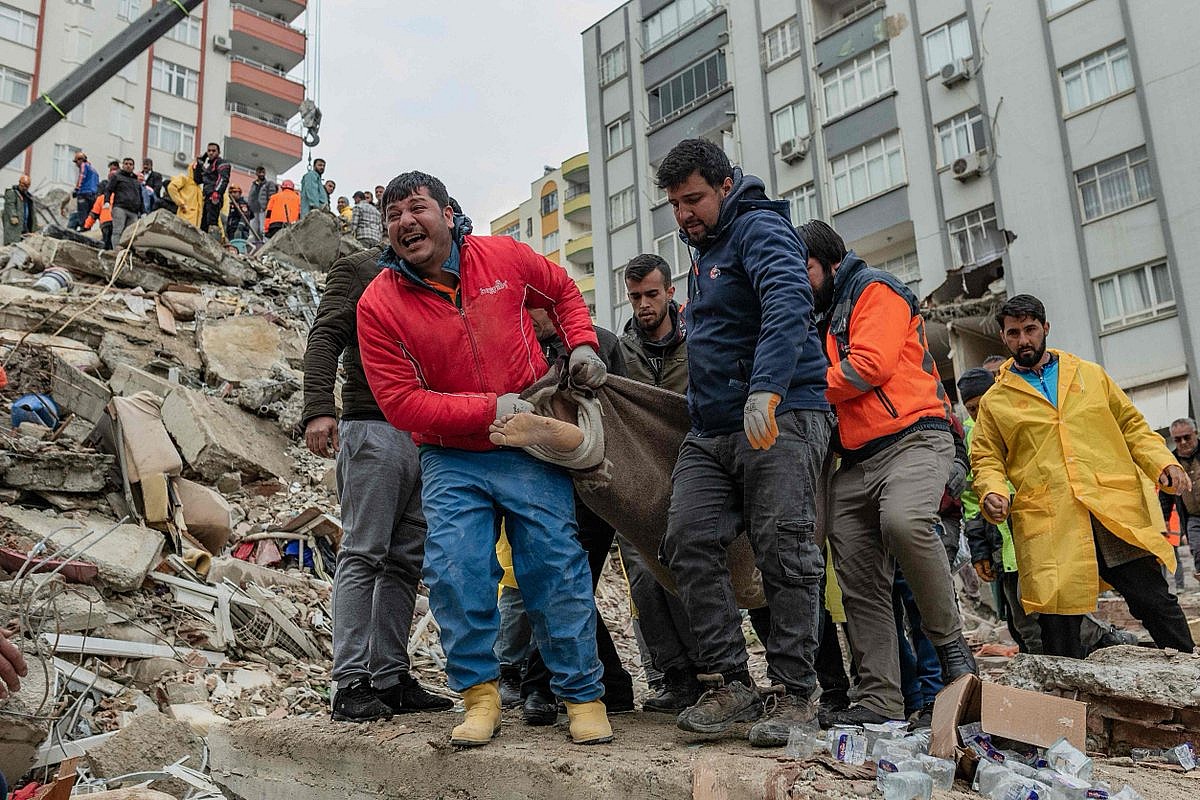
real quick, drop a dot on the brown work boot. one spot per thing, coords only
(723, 704)
(783, 712)
(482, 720)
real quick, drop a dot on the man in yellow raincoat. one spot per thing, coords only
(1083, 462)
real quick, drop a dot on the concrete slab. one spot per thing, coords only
(216, 437)
(238, 349)
(148, 742)
(23, 728)
(128, 380)
(56, 471)
(313, 243)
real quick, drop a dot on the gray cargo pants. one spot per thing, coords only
(774, 493)
(383, 545)
(884, 510)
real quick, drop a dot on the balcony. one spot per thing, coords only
(577, 204)
(266, 39)
(575, 169)
(579, 250)
(263, 88)
(286, 10)
(256, 138)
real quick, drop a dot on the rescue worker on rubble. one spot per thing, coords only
(447, 346)
(1186, 504)
(898, 459)
(1082, 463)
(185, 193)
(283, 208)
(20, 217)
(759, 432)
(212, 173)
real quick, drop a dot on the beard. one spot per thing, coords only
(823, 297)
(652, 325)
(1029, 357)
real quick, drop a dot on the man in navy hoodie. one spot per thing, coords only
(760, 431)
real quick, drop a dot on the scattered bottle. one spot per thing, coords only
(805, 741)
(1064, 757)
(1182, 755)
(905, 785)
(848, 744)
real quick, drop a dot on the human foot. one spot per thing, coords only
(527, 430)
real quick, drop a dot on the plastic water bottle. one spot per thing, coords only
(804, 741)
(1021, 789)
(1065, 758)
(1127, 793)
(989, 775)
(848, 745)
(906, 785)
(941, 770)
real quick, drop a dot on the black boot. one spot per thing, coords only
(357, 702)
(956, 660)
(510, 686)
(679, 690)
(540, 708)
(408, 696)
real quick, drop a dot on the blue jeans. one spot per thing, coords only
(464, 493)
(920, 669)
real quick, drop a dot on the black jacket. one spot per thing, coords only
(124, 191)
(213, 176)
(334, 334)
(609, 351)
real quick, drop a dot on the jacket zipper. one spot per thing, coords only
(887, 403)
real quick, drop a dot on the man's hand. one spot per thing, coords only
(958, 478)
(321, 436)
(587, 368)
(758, 418)
(985, 571)
(511, 403)
(12, 666)
(995, 508)
(1174, 480)
(214, 198)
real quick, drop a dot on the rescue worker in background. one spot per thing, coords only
(87, 186)
(237, 219)
(1082, 463)
(124, 196)
(259, 194)
(212, 173)
(185, 193)
(1186, 504)
(897, 460)
(447, 345)
(101, 212)
(312, 191)
(759, 433)
(283, 208)
(20, 217)
(153, 180)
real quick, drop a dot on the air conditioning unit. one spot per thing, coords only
(182, 159)
(793, 150)
(955, 72)
(221, 43)
(969, 166)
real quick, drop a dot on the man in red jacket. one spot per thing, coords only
(447, 345)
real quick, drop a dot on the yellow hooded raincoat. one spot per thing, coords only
(1093, 455)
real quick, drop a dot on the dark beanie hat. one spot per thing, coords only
(974, 382)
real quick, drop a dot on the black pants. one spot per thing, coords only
(596, 536)
(831, 669)
(211, 215)
(1144, 588)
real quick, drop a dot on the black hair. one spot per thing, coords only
(114, 163)
(315, 160)
(453, 204)
(358, 195)
(213, 144)
(149, 161)
(823, 242)
(994, 359)
(260, 166)
(694, 155)
(642, 265)
(408, 183)
(1021, 306)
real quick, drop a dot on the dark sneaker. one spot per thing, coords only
(539, 709)
(510, 687)
(783, 712)
(1115, 636)
(721, 706)
(408, 696)
(833, 701)
(922, 718)
(854, 715)
(956, 660)
(678, 691)
(619, 700)
(357, 702)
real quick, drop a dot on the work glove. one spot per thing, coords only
(587, 368)
(511, 403)
(758, 418)
(214, 198)
(958, 478)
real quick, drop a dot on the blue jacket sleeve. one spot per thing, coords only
(776, 262)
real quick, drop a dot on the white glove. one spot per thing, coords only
(758, 419)
(511, 403)
(587, 368)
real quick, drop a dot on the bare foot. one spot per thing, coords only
(526, 430)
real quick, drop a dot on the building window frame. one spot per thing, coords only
(512, 231)
(15, 86)
(160, 127)
(623, 130)
(551, 242)
(174, 79)
(613, 64)
(970, 234)
(673, 19)
(673, 93)
(1056, 8)
(120, 120)
(186, 31)
(1114, 184)
(129, 10)
(18, 25)
(845, 83)
(960, 136)
(1117, 290)
(781, 42)
(622, 208)
(867, 171)
(802, 203)
(549, 202)
(954, 37)
(791, 122)
(1113, 64)
(906, 267)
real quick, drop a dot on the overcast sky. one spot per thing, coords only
(480, 93)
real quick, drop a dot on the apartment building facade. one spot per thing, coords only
(221, 75)
(556, 221)
(975, 149)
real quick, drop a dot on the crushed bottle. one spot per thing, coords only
(805, 741)
(1183, 755)
(1065, 758)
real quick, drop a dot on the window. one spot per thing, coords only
(669, 20)
(1097, 78)
(175, 79)
(945, 44)
(1134, 295)
(550, 203)
(170, 135)
(975, 239)
(670, 248)
(14, 86)
(1114, 184)
(78, 47)
(529, 227)
(620, 136)
(129, 10)
(791, 122)
(904, 267)
(620, 208)
(186, 31)
(802, 203)
(612, 64)
(549, 243)
(513, 230)
(18, 26)
(868, 170)
(857, 82)
(121, 120)
(1055, 6)
(960, 136)
(63, 166)
(682, 90)
(129, 72)
(782, 41)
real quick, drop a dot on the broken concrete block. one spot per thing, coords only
(243, 573)
(216, 437)
(77, 392)
(148, 742)
(184, 305)
(128, 380)
(56, 471)
(79, 609)
(73, 352)
(312, 244)
(24, 727)
(1140, 674)
(198, 716)
(148, 447)
(229, 483)
(239, 349)
(209, 518)
(123, 554)
(146, 672)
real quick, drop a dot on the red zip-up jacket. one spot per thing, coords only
(436, 368)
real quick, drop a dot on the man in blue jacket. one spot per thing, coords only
(760, 431)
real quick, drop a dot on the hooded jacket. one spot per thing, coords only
(749, 315)
(436, 364)
(185, 194)
(662, 364)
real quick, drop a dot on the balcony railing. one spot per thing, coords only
(574, 190)
(243, 110)
(260, 65)
(261, 15)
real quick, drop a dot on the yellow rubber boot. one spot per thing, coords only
(482, 720)
(589, 723)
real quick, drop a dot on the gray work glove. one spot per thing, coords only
(958, 478)
(511, 403)
(758, 419)
(587, 368)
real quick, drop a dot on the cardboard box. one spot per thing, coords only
(1018, 714)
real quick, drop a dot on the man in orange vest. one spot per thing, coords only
(283, 208)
